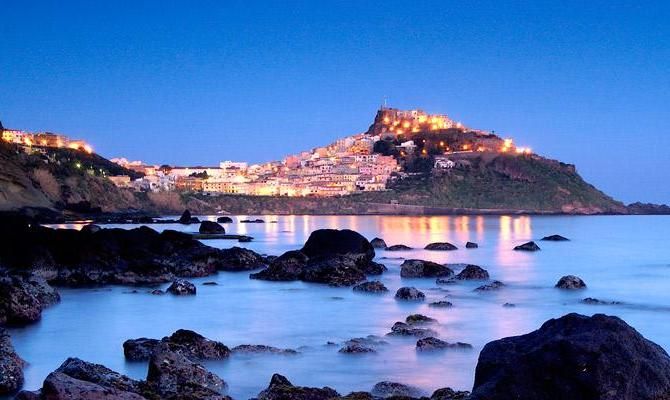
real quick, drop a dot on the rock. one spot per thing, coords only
(287, 267)
(181, 287)
(393, 389)
(59, 386)
(495, 285)
(209, 227)
(449, 394)
(157, 292)
(98, 374)
(570, 282)
(371, 287)
(333, 242)
(11, 366)
(185, 218)
(409, 293)
(356, 348)
(23, 297)
(334, 270)
(432, 343)
(528, 246)
(368, 341)
(139, 349)
(555, 238)
(574, 357)
(473, 272)
(591, 300)
(373, 268)
(357, 396)
(252, 221)
(245, 239)
(239, 259)
(441, 304)
(404, 329)
(172, 374)
(281, 388)
(378, 243)
(423, 269)
(509, 305)
(442, 246)
(91, 228)
(445, 281)
(210, 283)
(471, 245)
(224, 220)
(398, 247)
(261, 349)
(419, 319)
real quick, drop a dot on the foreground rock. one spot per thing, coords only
(371, 287)
(240, 259)
(432, 344)
(409, 293)
(473, 272)
(182, 287)
(441, 246)
(599, 357)
(281, 388)
(11, 366)
(188, 343)
(378, 243)
(393, 389)
(528, 246)
(555, 238)
(423, 269)
(209, 227)
(570, 282)
(334, 257)
(23, 297)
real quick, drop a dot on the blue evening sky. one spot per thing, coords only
(199, 82)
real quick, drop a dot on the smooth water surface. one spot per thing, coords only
(622, 258)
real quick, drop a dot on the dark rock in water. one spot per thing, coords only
(449, 394)
(261, 349)
(245, 239)
(181, 287)
(185, 217)
(224, 220)
(11, 366)
(570, 282)
(423, 269)
(252, 221)
(239, 259)
(371, 287)
(419, 319)
(393, 389)
(409, 293)
(368, 341)
(357, 396)
(287, 267)
(139, 349)
(333, 270)
(432, 343)
(443, 246)
(281, 388)
(445, 281)
(157, 292)
(398, 247)
(378, 243)
(441, 304)
(91, 228)
(509, 305)
(356, 348)
(172, 375)
(373, 268)
(404, 329)
(471, 245)
(473, 272)
(574, 357)
(333, 242)
(208, 227)
(209, 283)
(23, 297)
(555, 238)
(528, 246)
(495, 285)
(98, 374)
(591, 300)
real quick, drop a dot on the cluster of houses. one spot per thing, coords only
(33, 141)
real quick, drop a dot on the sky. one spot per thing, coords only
(191, 83)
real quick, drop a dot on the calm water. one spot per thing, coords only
(621, 258)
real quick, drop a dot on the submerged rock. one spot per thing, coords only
(528, 246)
(591, 300)
(356, 348)
(252, 221)
(471, 245)
(473, 272)
(443, 246)
(555, 238)
(371, 287)
(423, 269)
(11, 366)
(571, 282)
(378, 243)
(574, 357)
(261, 349)
(209, 227)
(224, 220)
(239, 259)
(409, 293)
(281, 388)
(419, 319)
(405, 329)
(441, 304)
(398, 247)
(432, 343)
(181, 287)
(388, 389)
(495, 285)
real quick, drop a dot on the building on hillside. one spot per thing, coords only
(122, 181)
(443, 162)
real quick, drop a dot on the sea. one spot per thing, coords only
(622, 259)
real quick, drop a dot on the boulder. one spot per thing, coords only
(473, 272)
(373, 268)
(398, 247)
(333, 242)
(245, 239)
(388, 389)
(555, 238)
(59, 386)
(210, 227)
(419, 319)
(528, 246)
(441, 304)
(139, 349)
(261, 349)
(378, 243)
(91, 228)
(371, 287)
(471, 245)
(495, 285)
(281, 388)
(239, 259)
(405, 329)
(409, 293)
(449, 394)
(287, 267)
(172, 374)
(441, 246)
(423, 269)
(11, 366)
(368, 341)
(356, 348)
(570, 282)
(224, 220)
(432, 343)
(181, 287)
(574, 357)
(98, 374)
(185, 217)
(23, 297)
(188, 343)
(335, 270)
